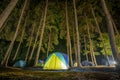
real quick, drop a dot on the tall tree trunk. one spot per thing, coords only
(77, 36)
(87, 29)
(20, 41)
(115, 28)
(7, 12)
(75, 48)
(7, 54)
(68, 37)
(35, 43)
(85, 48)
(4, 24)
(31, 39)
(41, 35)
(92, 51)
(16, 53)
(98, 28)
(91, 44)
(49, 43)
(110, 32)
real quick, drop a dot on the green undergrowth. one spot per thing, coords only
(19, 74)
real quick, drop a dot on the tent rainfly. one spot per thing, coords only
(20, 64)
(57, 61)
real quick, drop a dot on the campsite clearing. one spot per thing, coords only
(20, 74)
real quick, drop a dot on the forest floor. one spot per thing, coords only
(93, 73)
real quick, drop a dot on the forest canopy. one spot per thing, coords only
(55, 34)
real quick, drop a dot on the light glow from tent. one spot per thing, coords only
(114, 62)
(64, 66)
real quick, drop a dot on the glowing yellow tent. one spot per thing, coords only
(57, 60)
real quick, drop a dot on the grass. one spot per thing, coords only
(19, 74)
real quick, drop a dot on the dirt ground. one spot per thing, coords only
(20, 74)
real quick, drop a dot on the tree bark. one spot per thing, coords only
(85, 48)
(22, 35)
(77, 35)
(41, 35)
(68, 37)
(91, 44)
(31, 39)
(4, 24)
(115, 28)
(19, 45)
(98, 28)
(7, 12)
(38, 32)
(110, 32)
(7, 54)
(75, 49)
(49, 43)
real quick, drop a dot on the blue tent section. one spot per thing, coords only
(66, 59)
(40, 63)
(87, 63)
(61, 57)
(20, 63)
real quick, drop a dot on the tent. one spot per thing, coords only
(57, 60)
(40, 63)
(20, 63)
(87, 63)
